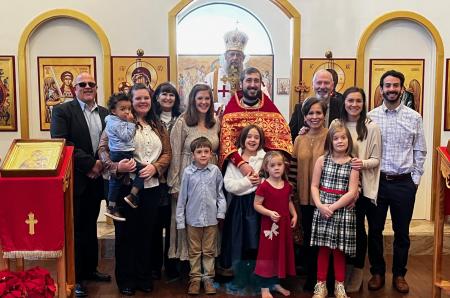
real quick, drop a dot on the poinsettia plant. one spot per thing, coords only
(35, 282)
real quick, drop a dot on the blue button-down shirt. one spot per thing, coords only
(404, 148)
(201, 200)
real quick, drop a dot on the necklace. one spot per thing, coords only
(313, 138)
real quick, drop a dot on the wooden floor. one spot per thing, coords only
(419, 278)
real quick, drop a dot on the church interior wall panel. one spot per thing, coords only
(148, 29)
(402, 39)
(60, 37)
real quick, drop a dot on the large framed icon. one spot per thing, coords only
(33, 157)
(129, 70)
(412, 69)
(344, 67)
(8, 105)
(56, 77)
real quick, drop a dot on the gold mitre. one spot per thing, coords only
(235, 40)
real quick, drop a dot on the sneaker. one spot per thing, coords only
(339, 290)
(208, 285)
(131, 200)
(194, 287)
(320, 290)
(113, 213)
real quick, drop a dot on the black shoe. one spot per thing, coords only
(127, 291)
(98, 276)
(80, 291)
(131, 199)
(113, 213)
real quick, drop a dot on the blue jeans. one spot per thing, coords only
(115, 183)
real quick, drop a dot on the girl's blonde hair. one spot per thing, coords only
(267, 158)
(336, 126)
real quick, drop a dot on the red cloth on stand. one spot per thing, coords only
(44, 198)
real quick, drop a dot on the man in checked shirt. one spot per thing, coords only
(403, 155)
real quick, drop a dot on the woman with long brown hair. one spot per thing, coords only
(198, 121)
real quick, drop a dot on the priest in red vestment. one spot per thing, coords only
(252, 106)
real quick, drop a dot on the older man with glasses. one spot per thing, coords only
(81, 122)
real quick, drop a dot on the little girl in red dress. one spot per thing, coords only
(276, 248)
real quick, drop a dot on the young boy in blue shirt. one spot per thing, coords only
(201, 205)
(121, 128)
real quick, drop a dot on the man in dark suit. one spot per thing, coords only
(324, 89)
(81, 122)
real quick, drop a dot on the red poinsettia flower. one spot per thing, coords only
(11, 285)
(39, 283)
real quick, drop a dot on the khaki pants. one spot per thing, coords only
(202, 246)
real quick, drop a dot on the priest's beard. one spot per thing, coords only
(234, 70)
(251, 100)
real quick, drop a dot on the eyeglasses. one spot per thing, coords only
(84, 84)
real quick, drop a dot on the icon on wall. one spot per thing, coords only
(56, 77)
(8, 106)
(412, 69)
(148, 70)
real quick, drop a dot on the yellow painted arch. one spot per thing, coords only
(288, 9)
(416, 18)
(22, 61)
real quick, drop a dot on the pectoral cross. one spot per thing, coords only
(31, 221)
(233, 77)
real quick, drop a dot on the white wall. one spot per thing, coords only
(326, 24)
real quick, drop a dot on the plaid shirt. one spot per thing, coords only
(404, 149)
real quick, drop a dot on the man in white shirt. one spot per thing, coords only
(403, 155)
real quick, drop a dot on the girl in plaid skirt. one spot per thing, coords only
(334, 187)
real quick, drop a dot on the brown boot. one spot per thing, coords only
(376, 282)
(194, 287)
(400, 284)
(208, 285)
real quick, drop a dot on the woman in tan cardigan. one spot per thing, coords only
(366, 136)
(133, 246)
(307, 148)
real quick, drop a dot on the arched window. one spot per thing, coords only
(200, 43)
(201, 30)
